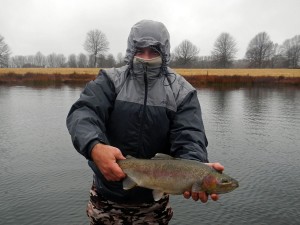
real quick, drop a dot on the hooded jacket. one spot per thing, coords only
(140, 109)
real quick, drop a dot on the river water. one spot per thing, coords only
(254, 132)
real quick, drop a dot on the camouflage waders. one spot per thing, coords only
(102, 211)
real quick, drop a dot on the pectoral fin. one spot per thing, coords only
(128, 183)
(157, 194)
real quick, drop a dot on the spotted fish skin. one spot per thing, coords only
(165, 174)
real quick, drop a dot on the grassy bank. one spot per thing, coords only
(198, 77)
(241, 72)
(47, 75)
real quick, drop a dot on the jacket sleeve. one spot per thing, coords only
(187, 135)
(88, 115)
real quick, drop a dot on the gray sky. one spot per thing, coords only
(60, 26)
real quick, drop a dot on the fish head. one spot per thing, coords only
(218, 183)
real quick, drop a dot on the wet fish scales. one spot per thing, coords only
(165, 174)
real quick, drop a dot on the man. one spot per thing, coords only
(140, 109)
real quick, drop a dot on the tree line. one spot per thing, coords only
(261, 52)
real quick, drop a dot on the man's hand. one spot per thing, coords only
(202, 195)
(105, 157)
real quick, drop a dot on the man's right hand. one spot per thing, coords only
(105, 157)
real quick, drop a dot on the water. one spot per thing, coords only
(253, 132)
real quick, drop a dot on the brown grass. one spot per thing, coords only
(242, 72)
(197, 77)
(62, 71)
(47, 75)
(184, 72)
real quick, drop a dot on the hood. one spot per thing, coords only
(148, 33)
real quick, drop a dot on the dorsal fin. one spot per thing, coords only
(162, 156)
(129, 157)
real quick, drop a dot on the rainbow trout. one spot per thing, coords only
(165, 174)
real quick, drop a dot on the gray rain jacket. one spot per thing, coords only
(140, 109)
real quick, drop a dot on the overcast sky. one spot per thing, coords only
(60, 26)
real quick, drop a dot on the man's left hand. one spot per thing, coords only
(202, 195)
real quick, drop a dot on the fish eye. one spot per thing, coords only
(225, 180)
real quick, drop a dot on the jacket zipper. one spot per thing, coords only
(140, 148)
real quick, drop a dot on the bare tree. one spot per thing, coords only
(72, 62)
(259, 51)
(277, 58)
(30, 61)
(224, 50)
(18, 61)
(61, 60)
(205, 62)
(291, 50)
(91, 61)
(120, 59)
(82, 60)
(96, 44)
(51, 60)
(185, 53)
(101, 61)
(56, 60)
(4, 53)
(110, 61)
(40, 60)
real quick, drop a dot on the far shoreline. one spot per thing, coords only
(197, 77)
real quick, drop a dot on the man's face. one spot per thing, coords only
(147, 53)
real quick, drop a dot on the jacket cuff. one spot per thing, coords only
(90, 147)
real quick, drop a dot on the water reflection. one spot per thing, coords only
(254, 132)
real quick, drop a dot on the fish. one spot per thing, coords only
(165, 174)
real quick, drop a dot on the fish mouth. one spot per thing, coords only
(235, 185)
